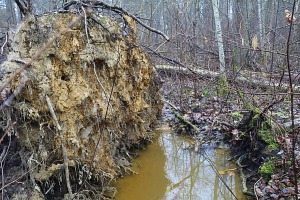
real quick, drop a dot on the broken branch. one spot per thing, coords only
(119, 11)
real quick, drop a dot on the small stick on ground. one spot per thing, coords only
(5, 42)
(64, 150)
(255, 189)
(188, 123)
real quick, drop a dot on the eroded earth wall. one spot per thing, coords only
(102, 90)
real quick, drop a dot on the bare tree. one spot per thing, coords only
(219, 39)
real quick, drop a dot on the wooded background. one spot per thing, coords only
(253, 43)
(254, 32)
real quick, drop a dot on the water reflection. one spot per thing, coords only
(168, 171)
(192, 176)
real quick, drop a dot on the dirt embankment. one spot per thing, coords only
(102, 90)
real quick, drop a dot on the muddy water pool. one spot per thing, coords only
(167, 170)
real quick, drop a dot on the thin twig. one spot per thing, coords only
(2, 157)
(91, 167)
(292, 102)
(5, 42)
(17, 91)
(170, 104)
(2, 160)
(26, 173)
(118, 10)
(7, 131)
(89, 47)
(53, 113)
(63, 143)
(255, 188)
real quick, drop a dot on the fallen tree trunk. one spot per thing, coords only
(253, 78)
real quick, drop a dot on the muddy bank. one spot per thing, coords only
(101, 88)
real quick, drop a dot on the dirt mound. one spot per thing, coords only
(101, 87)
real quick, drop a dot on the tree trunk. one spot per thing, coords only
(151, 22)
(218, 29)
(260, 21)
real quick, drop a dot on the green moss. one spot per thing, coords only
(257, 112)
(267, 136)
(206, 91)
(236, 115)
(223, 85)
(267, 169)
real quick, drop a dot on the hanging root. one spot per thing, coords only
(64, 150)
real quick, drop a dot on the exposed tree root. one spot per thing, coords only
(243, 175)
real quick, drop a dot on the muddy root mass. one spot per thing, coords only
(101, 88)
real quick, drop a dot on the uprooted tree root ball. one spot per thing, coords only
(102, 100)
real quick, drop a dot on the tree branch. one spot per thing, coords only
(292, 102)
(21, 7)
(117, 10)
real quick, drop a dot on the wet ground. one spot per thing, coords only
(167, 169)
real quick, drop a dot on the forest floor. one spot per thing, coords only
(258, 137)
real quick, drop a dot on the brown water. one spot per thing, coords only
(167, 171)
